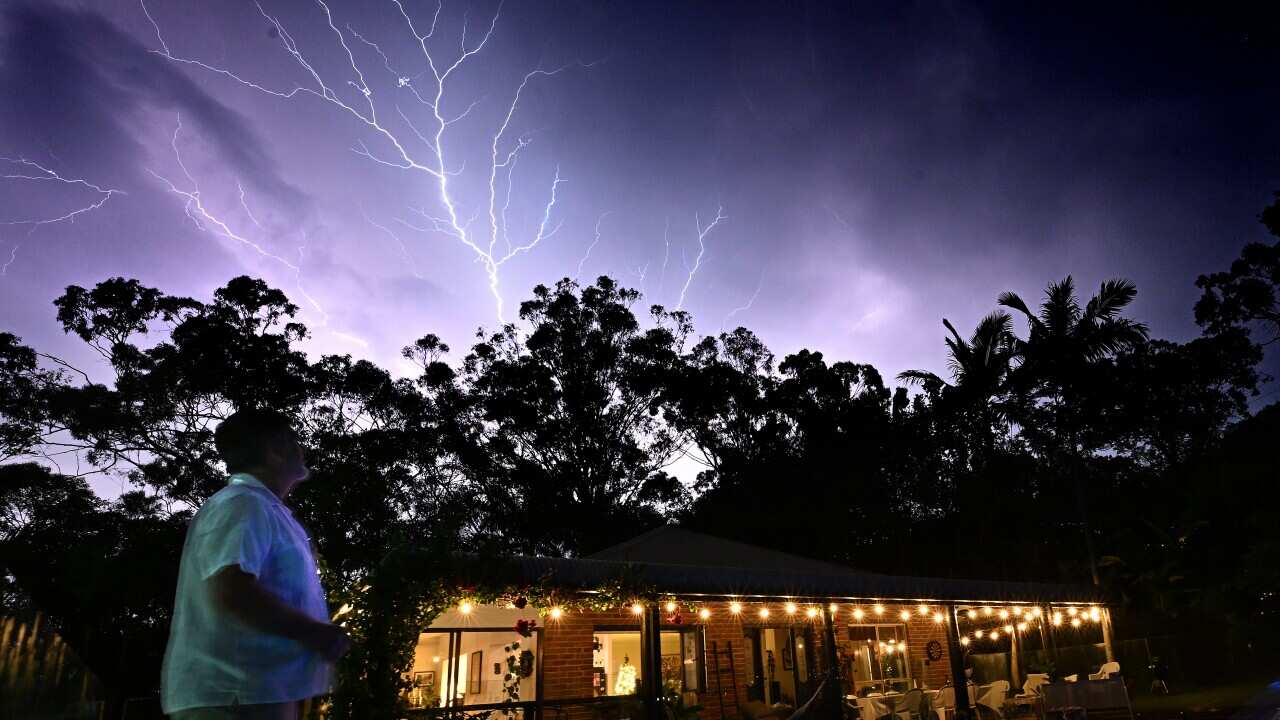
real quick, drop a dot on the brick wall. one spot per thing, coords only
(567, 649)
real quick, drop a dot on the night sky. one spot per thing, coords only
(879, 166)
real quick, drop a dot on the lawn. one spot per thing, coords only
(1217, 700)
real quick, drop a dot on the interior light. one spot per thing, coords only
(435, 659)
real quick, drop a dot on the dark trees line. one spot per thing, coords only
(1064, 445)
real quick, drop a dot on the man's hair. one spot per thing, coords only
(243, 439)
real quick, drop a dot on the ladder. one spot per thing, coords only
(720, 671)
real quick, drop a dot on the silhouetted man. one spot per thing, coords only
(251, 635)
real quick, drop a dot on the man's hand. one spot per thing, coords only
(329, 641)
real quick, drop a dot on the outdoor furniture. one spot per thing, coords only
(992, 697)
(911, 706)
(1108, 696)
(1106, 671)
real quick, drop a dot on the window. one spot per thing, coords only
(616, 661)
(877, 656)
(474, 659)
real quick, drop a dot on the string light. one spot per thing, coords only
(1017, 612)
(811, 612)
(1004, 614)
(1075, 622)
(1057, 618)
(857, 613)
(879, 609)
(973, 614)
(671, 607)
(704, 613)
(987, 611)
(465, 607)
(995, 635)
(764, 612)
(1095, 614)
(905, 614)
(1072, 611)
(1022, 627)
(833, 608)
(791, 608)
(889, 650)
(924, 609)
(1035, 612)
(964, 640)
(556, 613)
(1008, 629)
(937, 617)
(637, 609)
(735, 607)
(978, 634)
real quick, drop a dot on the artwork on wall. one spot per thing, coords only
(425, 679)
(473, 672)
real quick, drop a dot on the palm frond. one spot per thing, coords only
(1014, 301)
(1112, 297)
(923, 378)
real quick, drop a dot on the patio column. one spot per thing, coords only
(1051, 644)
(833, 700)
(651, 662)
(1108, 641)
(956, 652)
(1015, 666)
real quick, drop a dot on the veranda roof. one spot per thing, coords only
(675, 561)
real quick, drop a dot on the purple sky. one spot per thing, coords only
(879, 166)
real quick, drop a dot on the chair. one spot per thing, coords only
(992, 697)
(943, 701)
(1106, 671)
(1033, 684)
(1071, 678)
(911, 706)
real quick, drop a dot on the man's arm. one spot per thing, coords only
(239, 593)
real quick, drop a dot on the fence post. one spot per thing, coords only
(833, 700)
(956, 652)
(651, 661)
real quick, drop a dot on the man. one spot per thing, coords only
(251, 635)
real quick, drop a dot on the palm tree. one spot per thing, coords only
(1064, 346)
(979, 365)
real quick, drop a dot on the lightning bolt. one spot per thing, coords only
(424, 148)
(404, 249)
(743, 308)
(702, 250)
(596, 241)
(205, 220)
(31, 171)
(666, 253)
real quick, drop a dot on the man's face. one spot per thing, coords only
(289, 459)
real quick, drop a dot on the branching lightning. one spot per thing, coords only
(404, 249)
(745, 307)
(31, 171)
(424, 148)
(205, 220)
(702, 250)
(596, 241)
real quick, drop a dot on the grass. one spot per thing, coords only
(1211, 700)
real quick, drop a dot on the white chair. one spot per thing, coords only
(911, 706)
(1033, 683)
(993, 696)
(1071, 678)
(1106, 671)
(945, 700)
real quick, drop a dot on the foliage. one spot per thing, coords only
(1247, 295)
(553, 436)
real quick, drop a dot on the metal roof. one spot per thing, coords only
(680, 562)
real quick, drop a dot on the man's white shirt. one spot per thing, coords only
(214, 660)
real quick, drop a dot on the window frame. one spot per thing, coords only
(700, 651)
(455, 655)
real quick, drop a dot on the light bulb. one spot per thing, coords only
(879, 609)
(905, 614)
(987, 611)
(704, 613)
(1075, 622)
(937, 617)
(1095, 614)
(791, 608)
(1072, 611)
(1017, 612)
(833, 608)
(811, 612)
(671, 607)
(735, 607)
(978, 634)
(637, 609)
(1022, 626)
(964, 640)
(995, 635)
(1008, 629)
(764, 612)
(1004, 614)
(1057, 618)
(973, 614)
(465, 607)
(924, 609)
(857, 613)
(556, 613)
(1035, 612)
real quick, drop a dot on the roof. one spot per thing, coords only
(681, 562)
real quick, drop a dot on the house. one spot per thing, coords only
(728, 626)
